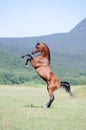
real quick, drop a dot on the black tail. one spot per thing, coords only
(66, 86)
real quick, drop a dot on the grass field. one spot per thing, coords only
(21, 109)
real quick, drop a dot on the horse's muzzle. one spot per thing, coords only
(34, 51)
(22, 57)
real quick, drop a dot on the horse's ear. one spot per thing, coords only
(38, 43)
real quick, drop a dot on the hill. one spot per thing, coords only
(68, 55)
(80, 27)
(72, 42)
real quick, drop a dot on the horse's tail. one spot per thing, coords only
(66, 86)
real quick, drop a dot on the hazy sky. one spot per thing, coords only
(24, 18)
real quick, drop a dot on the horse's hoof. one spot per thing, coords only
(27, 66)
(45, 107)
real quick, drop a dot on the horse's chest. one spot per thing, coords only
(42, 61)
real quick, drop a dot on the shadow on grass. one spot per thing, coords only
(33, 106)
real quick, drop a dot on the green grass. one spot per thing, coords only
(20, 109)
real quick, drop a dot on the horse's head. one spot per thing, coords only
(38, 48)
(43, 49)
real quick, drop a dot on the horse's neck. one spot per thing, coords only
(41, 59)
(45, 54)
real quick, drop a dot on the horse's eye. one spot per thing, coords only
(37, 47)
(38, 43)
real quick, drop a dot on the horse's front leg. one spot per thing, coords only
(28, 59)
(29, 55)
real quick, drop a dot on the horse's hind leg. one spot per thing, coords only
(50, 100)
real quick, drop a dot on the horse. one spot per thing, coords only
(41, 63)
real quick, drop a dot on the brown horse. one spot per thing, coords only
(41, 63)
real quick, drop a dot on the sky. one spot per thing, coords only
(27, 18)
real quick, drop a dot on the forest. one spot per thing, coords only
(13, 70)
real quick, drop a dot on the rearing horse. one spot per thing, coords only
(41, 64)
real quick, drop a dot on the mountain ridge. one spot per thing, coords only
(71, 42)
(81, 26)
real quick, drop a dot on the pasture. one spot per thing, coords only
(21, 109)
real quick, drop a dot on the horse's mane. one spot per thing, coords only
(48, 52)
